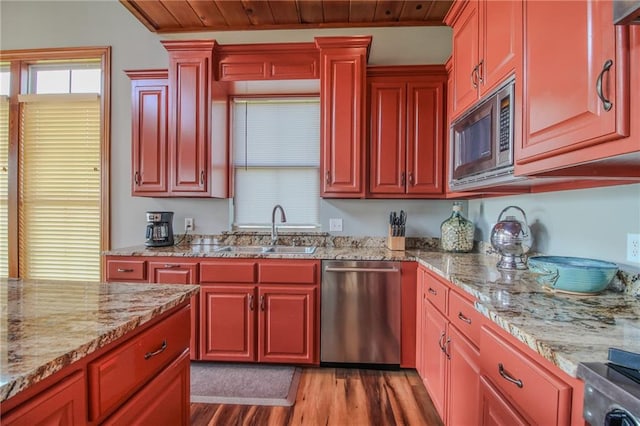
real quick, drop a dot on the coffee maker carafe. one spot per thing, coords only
(159, 229)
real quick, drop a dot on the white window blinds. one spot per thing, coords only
(276, 152)
(4, 185)
(59, 216)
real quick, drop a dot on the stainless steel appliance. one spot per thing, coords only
(612, 390)
(512, 239)
(159, 229)
(481, 151)
(360, 312)
(626, 12)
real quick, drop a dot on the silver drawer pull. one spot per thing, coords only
(124, 270)
(463, 318)
(169, 266)
(507, 377)
(432, 291)
(156, 352)
(361, 270)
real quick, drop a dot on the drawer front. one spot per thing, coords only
(464, 317)
(539, 395)
(228, 272)
(126, 270)
(298, 272)
(119, 373)
(436, 292)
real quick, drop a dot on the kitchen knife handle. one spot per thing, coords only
(607, 105)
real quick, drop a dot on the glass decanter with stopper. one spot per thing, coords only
(457, 231)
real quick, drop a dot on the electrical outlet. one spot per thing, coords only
(188, 224)
(335, 224)
(633, 248)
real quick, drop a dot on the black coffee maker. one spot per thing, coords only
(159, 229)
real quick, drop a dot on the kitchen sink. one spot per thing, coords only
(268, 249)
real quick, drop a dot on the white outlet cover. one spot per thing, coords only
(633, 248)
(335, 224)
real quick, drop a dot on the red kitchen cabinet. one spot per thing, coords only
(495, 410)
(227, 322)
(343, 63)
(287, 324)
(449, 360)
(164, 401)
(576, 96)
(264, 311)
(149, 132)
(487, 47)
(125, 269)
(167, 271)
(407, 122)
(190, 96)
(62, 404)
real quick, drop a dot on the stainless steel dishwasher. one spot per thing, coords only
(360, 312)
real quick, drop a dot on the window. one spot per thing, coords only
(276, 156)
(59, 204)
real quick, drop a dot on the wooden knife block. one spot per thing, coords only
(394, 243)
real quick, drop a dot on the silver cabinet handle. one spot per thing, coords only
(125, 270)
(202, 177)
(507, 377)
(432, 291)
(463, 318)
(402, 179)
(346, 269)
(327, 177)
(445, 348)
(156, 352)
(137, 178)
(474, 77)
(250, 302)
(170, 266)
(605, 102)
(440, 340)
(262, 303)
(411, 178)
(480, 72)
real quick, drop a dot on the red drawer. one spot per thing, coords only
(114, 377)
(227, 272)
(126, 270)
(436, 292)
(464, 317)
(298, 272)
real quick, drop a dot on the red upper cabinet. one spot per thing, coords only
(407, 119)
(487, 47)
(190, 76)
(343, 62)
(149, 132)
(576, 93)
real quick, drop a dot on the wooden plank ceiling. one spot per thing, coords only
(170, 16)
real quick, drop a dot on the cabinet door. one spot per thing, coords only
(434, 357)
(464, 381)
(287, 324)
(228, 322)
(465, 57)
(189, 111)
(180, 273)
(501, 41)
(164, 401)
(149, 132)
(425, 137)
(63, 404)
(343, 63)
(387, 169)
(562, 110)
(495, 410)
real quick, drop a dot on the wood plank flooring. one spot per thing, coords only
(336, 396)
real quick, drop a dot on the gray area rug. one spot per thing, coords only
(245, 384)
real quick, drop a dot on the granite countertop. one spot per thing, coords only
(564, 329)
(47, 325)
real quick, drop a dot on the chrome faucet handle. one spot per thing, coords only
(274, 229)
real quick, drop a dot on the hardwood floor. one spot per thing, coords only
(336, 396)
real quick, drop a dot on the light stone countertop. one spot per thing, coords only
(564, 329)
(47, 325)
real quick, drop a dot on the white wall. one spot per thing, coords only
(590, 223)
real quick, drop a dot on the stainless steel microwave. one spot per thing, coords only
(481, 142)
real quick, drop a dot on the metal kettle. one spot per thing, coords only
(512, 239)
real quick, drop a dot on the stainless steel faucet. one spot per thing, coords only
(274, 230)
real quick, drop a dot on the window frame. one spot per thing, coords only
(19, 62)
(258, 227)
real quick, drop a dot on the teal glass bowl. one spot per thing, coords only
(573, 274)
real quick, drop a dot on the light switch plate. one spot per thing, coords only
(335, 224)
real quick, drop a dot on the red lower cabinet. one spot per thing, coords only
(63, 404)
(264, 311)
(495, 410)
(464, 380)
(165, 401)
